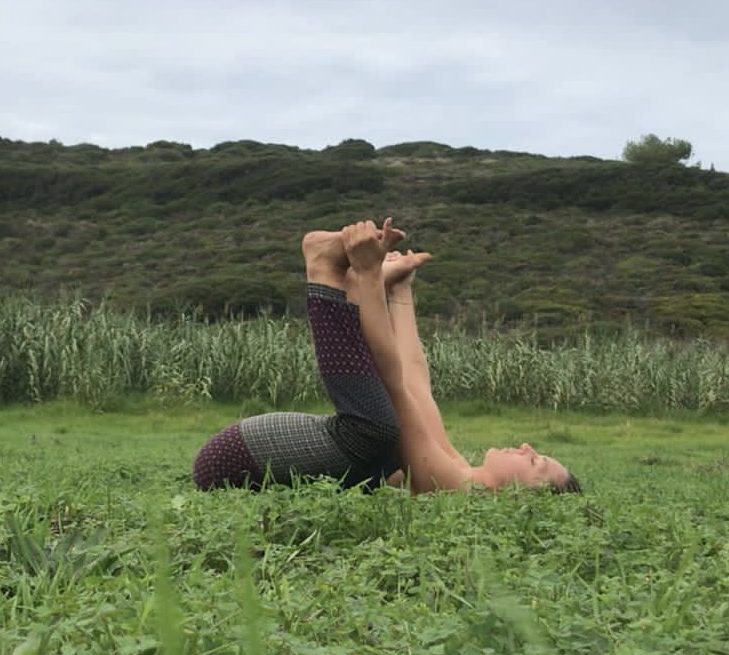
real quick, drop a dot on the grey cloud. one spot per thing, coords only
(564, 77)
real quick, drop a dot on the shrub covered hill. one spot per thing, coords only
(519, 239)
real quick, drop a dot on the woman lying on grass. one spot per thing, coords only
(360, 307)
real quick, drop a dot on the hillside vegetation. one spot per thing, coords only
(519, 239)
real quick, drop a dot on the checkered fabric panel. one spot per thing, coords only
(225, 460)
(374, 475)
(343, 447)
(364, 442)
(283, 442)
(325, 292)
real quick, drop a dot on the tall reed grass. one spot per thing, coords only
(68, 350)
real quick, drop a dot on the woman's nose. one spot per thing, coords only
(526, 446)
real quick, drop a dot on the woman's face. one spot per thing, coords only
(522, 465)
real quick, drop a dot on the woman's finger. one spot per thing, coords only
(391, 235)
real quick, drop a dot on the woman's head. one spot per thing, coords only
(525, 466)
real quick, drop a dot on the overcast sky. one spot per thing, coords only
(558, 77)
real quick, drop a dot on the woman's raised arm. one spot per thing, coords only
(428, 465)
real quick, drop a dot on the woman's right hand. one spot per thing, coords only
(364, 248)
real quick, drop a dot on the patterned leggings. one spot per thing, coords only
(357, 444)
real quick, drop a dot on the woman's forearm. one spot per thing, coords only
(401, 304)
(377, 329)
(416, 375)
(424, 462)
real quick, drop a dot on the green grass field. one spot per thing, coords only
(106, 547)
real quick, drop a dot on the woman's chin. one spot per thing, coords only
(487, 455)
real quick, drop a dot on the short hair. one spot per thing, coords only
(570, 486)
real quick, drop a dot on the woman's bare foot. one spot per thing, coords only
(326, 259)
(324, 247)
(398, 271)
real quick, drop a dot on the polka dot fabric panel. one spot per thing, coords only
(345, 362)
(338, 341)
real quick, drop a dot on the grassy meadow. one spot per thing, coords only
(106, 547)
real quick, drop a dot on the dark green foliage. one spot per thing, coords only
(417, 149)
(167, 175)
(603, 187)
(221, 296)
(351, 150)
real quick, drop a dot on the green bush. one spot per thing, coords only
(605, 187)
(351, 150)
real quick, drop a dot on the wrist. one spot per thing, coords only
(370, 275)
(400, 293)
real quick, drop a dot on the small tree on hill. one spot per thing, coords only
(652, 150)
